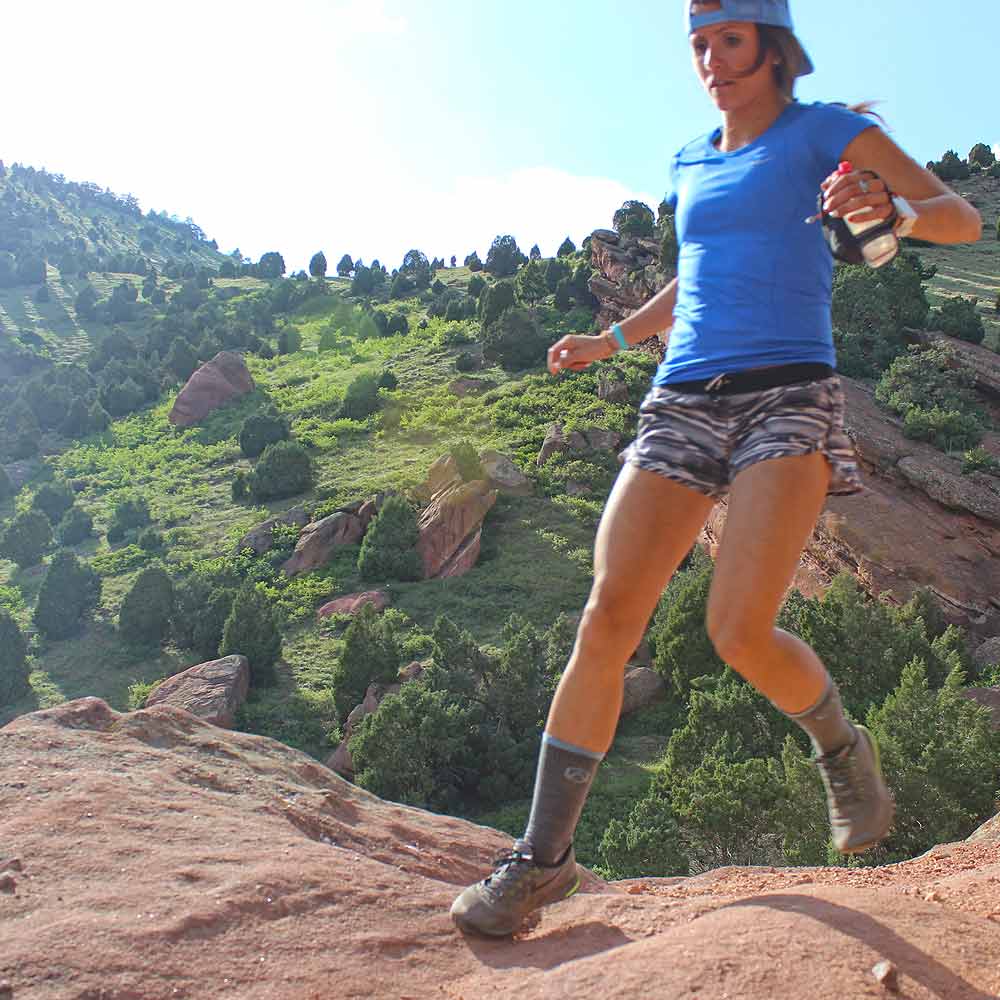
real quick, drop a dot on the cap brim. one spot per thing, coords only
(805, 63)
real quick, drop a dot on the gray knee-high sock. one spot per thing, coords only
(562, 782)
(826, 724)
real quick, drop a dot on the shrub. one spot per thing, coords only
(150, 540)
(144, 618)
(370, 655)
(240, 487)
(389, 551)
(53, 500)
(634, 218)
(980, 460)
(949, 430)
(284, 469)
(14, 668)
(476, 285)
(515, 340)
(958, 317)
(251, 630)
(6, 486)
(566, 248)
(494, 301)
(361, 399)
(466, 362)
(202, 604)
(76, 526)
(387, 380)
(289, 340)
(504, 257)
(467, 459)
(27, 538)
(70, 590)
(259, 430)
(181, 359)
(129, 513)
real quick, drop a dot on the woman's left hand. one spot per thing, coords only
(846, 194)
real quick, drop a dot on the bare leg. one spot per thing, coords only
(773, 508)
(648, 527)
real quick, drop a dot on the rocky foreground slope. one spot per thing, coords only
(151, 855)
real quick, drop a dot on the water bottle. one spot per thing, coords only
(880, 250)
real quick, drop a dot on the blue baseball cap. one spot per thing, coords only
(772, 12)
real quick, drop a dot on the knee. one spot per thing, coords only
(738, 642)
(608, 617)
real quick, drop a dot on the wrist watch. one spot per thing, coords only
(907, 216)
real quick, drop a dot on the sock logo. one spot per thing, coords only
(577, 775)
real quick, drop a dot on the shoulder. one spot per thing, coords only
(693, 151)
(819, 115)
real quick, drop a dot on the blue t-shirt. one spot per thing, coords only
(754, 279)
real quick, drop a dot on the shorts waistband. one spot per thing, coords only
(730, 383)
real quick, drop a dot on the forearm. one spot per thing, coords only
(946, 218)
(654, 317)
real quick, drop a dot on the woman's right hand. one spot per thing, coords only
(574, 352)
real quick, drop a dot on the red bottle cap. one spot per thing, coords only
(845, 168)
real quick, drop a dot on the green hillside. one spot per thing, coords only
(972, 270)
(358, 371)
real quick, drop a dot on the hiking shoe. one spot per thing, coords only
(858, 801)
(498, 905)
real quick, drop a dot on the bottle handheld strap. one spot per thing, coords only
(845, 245)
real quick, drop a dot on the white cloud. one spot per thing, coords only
(539, 205)
(368, 17)
(996, 150)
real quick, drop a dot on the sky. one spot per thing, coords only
(371, 127)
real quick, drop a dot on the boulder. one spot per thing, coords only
(643, 686)
(442, 474)
(320, 539)
(987, 653)
(213, 385)
(213, 691)
(556, 439)
(234, 847)
(260, 539)
(450, 527)
(988, 698)
(610, 388)
(503, 475)
(353, 603)
(602, 440)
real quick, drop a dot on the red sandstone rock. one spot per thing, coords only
(211, 386)
(556, 439)
(450, 526)
(503, 474)
(167, 858)
(353, 603)
(442, 475)
(318, 541)
(643, 686)
(213, 691)
(261, 538)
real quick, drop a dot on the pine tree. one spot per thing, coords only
(70, 590)
(26, 538)
(317, 265)
(144, 618)
(14, 668)
(251, 630)
(370, 655)
(389, 551)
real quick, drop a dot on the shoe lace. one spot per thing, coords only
(511, 875)
(841, 773)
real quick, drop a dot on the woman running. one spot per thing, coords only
(747, 402)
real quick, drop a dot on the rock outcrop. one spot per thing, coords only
(353, 603)
(503, 475)
(213, 385)
(451, 528)
(628, 273)
(643, 686)
(261, 538)
(213, 691)
(320, 539)
(151, 855)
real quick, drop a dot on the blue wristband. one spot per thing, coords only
(616, 330)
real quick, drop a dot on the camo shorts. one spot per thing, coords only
(703, 440)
